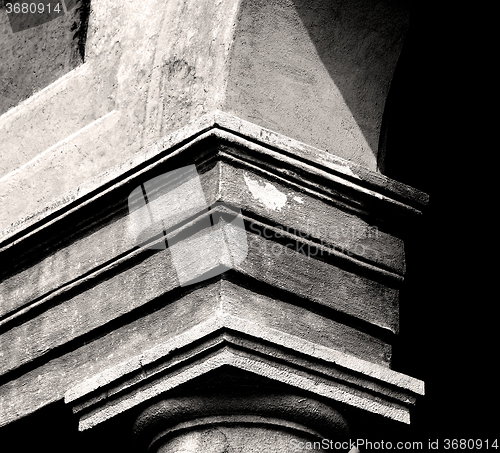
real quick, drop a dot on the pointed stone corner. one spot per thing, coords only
(227, 128)
(273, 269)
(226, 341)
(315, 250)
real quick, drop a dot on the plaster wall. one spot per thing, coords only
(319, 74)
(149, 69)
(318, 71)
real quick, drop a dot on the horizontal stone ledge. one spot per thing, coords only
(273, 336)
(95, 300)
(312, 248)
(329, 177)
(305, 217)
(46, 379)
(372, 388)
(362, 305)
(319, 158)
(342, 171)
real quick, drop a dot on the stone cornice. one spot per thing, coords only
(303, 157)
(79, 255)
(266, 352)
(329, 253)
(277, 158)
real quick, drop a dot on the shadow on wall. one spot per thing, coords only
(405, 144)
(359, 43)
(318, 72)
(39, 45)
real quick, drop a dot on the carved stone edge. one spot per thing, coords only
(319, 370)
(331, 255)
(228, 127)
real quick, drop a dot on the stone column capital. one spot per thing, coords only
(228, 419)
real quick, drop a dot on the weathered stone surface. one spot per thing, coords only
(126, 71)
(36, 56)
(269, 341)
(65, 265)
(101, 297)
(230, 398)
(308, 159)
(87, 313)
(289, 281)
(318, 72)
(299, 210)
(232, 419)
(310, 247)
(114, 292)
(60, 372)
(100, 300)
(36, 387)
(298, 320)
(323, 283)
(154, 80)
(59, 267)
(229, 437)
(169, 366)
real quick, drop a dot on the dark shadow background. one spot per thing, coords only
(448, 321)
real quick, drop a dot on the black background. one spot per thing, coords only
(449, 333)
